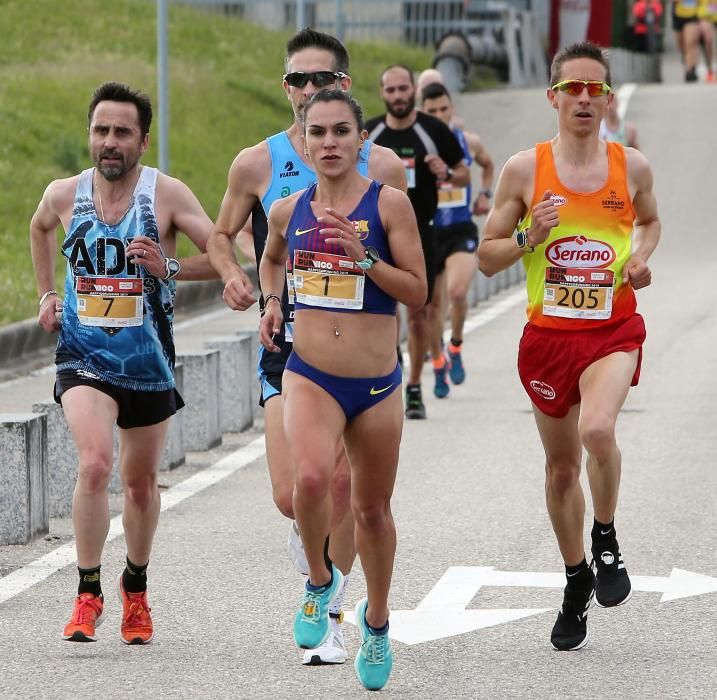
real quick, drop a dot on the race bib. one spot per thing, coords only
(409, 163)
(452, 197)
(288, 335)
(110, 302)
(578, 292)
(328, 281)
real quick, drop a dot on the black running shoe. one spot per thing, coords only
(613, 585)
(414, 403)
(570, 631)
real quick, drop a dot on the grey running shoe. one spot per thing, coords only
(414, 403)
(333, 650)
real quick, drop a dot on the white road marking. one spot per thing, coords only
(624, 94)
(40, 569)
(442, 613)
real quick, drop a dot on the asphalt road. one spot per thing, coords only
(469, 494)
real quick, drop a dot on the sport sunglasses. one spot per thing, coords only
(596, 88)
(320, 78)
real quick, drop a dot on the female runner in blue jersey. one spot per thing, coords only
(350, 250)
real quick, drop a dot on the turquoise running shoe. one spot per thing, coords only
(311, 624)
(441, 389)
(374, 660)
(457, 371)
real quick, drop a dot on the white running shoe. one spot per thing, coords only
(332, 651)
(296, 550)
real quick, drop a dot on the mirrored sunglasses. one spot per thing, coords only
(320, 78)
(596, 88)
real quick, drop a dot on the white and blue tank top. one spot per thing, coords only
(117, 318)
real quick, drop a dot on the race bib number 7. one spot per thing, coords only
(328, 281)
(578, 292)
(110, 302)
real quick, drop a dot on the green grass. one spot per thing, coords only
(225, 93)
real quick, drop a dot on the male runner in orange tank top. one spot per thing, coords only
(587, 224)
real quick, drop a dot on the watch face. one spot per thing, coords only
(372, 253)
(173, 266)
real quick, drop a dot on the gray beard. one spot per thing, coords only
(112, 174)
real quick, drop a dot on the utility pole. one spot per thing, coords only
(162, 83)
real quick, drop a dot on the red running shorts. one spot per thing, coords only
(550, 362)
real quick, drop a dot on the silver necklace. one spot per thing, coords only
(102, 209)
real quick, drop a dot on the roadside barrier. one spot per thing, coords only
(38, 460)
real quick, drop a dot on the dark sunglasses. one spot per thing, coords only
(596, 88)
(320, 78)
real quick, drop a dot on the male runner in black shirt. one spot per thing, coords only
(430, 152)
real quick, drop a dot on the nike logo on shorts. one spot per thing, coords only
(374, 391)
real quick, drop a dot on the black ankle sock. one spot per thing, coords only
(602, 532)
(579, 578)
(134, 577)
(89, 581)
(456, 343)
(378, 631)
(327, 558)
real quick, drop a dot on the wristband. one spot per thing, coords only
(49, 293)
(486, 192)
(269, 297)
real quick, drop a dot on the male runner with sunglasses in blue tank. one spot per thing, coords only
(271, 170)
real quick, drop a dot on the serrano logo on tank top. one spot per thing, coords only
(613, 202)
(579, 251)
(558, 200)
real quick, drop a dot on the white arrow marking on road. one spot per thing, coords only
(442, 613)
(679, 584)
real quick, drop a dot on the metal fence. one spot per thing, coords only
(421, 22)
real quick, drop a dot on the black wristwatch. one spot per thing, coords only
(171, 268)
(521, 238)
(372, 257)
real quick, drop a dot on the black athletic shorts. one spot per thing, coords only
(458, 238)
(271, 369)
(679, 22)
(137, 409)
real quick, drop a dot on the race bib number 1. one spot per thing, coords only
(328, 281)
(110, 302)
(578, 292)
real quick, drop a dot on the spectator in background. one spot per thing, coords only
(707, 14)
(686, 24)
(646, 15)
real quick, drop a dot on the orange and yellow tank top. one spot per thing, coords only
(574, 278)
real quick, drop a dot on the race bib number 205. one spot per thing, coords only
(578, 292)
